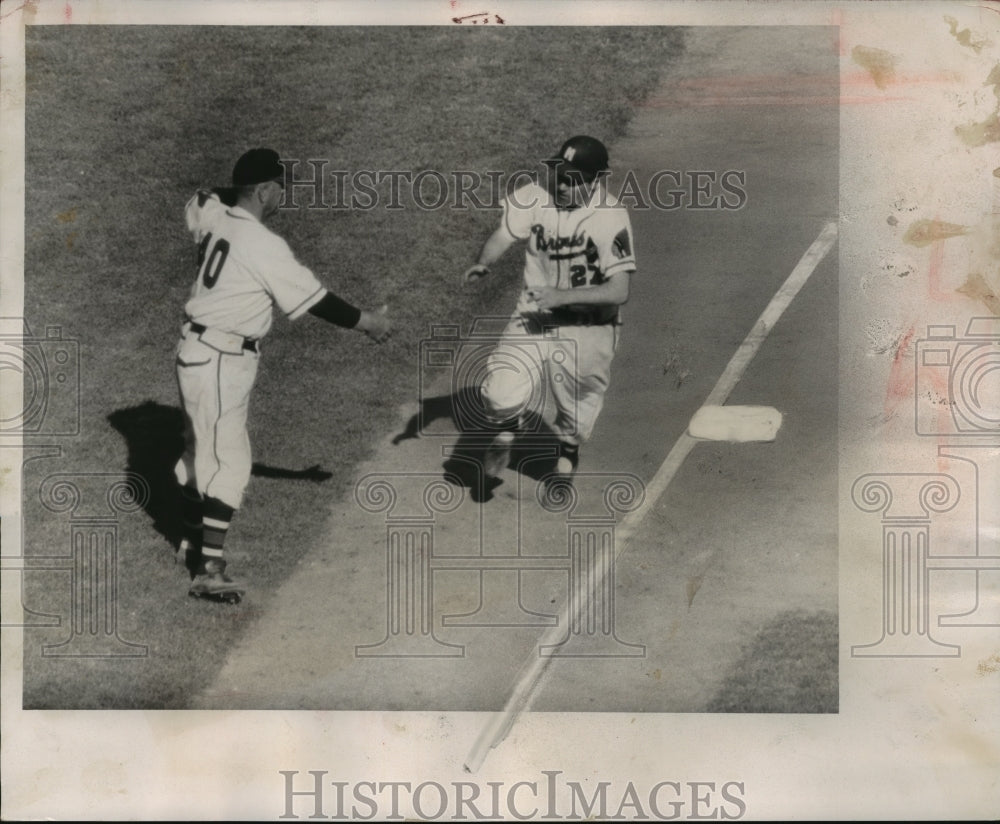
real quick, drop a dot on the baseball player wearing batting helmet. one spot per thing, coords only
(578, 263)
(243, 271)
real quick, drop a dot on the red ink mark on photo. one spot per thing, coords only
(68, 13)
(935, 275)
(934, 268)
(837, 19)
(790, 90)
(934, 233)
(900, 385)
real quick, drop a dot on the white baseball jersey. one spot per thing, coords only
(243, 270)
(568, 248)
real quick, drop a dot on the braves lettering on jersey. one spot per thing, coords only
(243, 270)
(568, 248)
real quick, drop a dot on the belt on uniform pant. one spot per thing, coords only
(584, 317)
(250, 344)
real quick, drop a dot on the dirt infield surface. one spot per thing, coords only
(725, 596)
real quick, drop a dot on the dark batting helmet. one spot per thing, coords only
(582, 153)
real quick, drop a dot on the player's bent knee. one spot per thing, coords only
(506, 394)
(502, 408)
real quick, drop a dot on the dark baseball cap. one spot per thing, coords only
(583, 153)
(257, 166)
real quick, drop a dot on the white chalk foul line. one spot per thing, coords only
(500, 723)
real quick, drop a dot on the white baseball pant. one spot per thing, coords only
(572, 364)
(215, 390)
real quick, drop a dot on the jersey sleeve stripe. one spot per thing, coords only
(615, 266)
(307, 304)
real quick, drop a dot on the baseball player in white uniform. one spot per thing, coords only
(564, 330)
(243, 271)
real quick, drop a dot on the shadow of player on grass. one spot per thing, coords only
(154, 434)
(533, 452)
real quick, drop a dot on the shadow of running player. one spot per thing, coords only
(533, 452)
(154, 435)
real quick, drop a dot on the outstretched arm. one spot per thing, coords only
(494, 247)
(341, 313)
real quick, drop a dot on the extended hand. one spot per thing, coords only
(377, 325)
(475, 273)
(546, 297)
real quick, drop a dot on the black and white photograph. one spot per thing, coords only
(526, 411)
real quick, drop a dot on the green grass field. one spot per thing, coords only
(122, 124)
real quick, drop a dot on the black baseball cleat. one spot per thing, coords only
(212, 583)
(566, 463)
